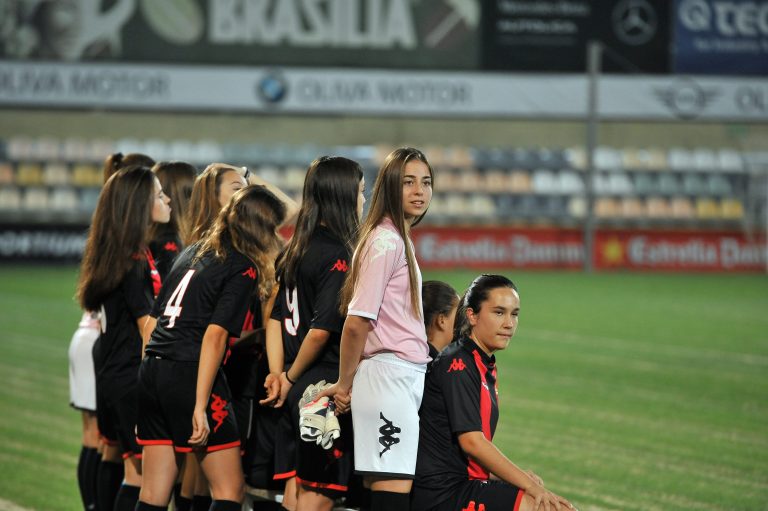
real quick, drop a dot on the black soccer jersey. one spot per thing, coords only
(117, 352)
(460, 395)
(314, 302)
(165, 248)
(197, 294)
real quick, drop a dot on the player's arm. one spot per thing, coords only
(276, 360)
(146, 325)
(480, 449)
(249, 339)
(211, 353)
(353, 337)
(311, 348)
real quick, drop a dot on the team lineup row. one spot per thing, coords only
(213, 339)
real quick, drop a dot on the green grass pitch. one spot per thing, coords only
(622, 391)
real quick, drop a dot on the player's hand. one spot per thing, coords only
(341, 395)
(545, 500)
(285, 386)
(272, 384)
(536, 479)
(200, 428)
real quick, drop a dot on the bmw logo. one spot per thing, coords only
(273, 87)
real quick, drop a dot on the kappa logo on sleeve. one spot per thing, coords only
(457, 364)
(341, 265)
(171, 247)
(384, 242)
(250, 272)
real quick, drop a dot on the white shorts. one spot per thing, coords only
(386, 396)
(82, 376)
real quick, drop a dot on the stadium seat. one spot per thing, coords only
(658, 207)
(707, 209)
(619, 184)
(88, 199)
(644, 183)
(100, 148)
(75, 149)
(577, 207)
(63, 199)
(86, 174)
(705, 159)
(632, 207)
(19, 148)
(732, 209)
(520, 181)
(607, 207)
(29, 174)
(682, 208)
(680, 159)
(545, 182)
(668, 184)
(35, 199)
(719, 185)
(467, 179)
(570, 182)
(7, 176)
(10, 198)
(496, 181)
(481, 206)
(46, 148)
(576, 158)
(730, 160)
(56, 173)
(608, 158)
(272, 174)
(207, 151)
(694, 184)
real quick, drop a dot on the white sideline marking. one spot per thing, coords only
(7, 505)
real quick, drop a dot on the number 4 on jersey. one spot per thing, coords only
(173, 308)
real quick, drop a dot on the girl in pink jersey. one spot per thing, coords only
(384, 349)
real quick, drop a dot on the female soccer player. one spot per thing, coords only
(459, 467)
(382, 300)
(117, 161)
(177, 179)
(118, 278)
(184, 399)
(440, 304)
(304, 331)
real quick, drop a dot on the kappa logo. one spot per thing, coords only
(384, 242)
(250, 272)
(341, 265)
(457, 364)
(218, 406)
(171, 246)
(388, 432)
(474, 507)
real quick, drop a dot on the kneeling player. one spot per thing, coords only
(457, 459)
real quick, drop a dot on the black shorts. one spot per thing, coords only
(475, 495)
(317, 469)
(259, 458)
(167, 400)
(116, 414)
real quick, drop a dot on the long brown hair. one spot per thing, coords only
(117, 161)
(248, 223)
(120, 230)
(177, 179)
(204, 204)
(387, 201)
(330, 195)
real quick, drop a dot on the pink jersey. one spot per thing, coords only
(382, 294)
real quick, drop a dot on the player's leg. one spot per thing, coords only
(225, 476)
(159, 471)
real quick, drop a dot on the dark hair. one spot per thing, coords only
(204, 205)
(177, 179)
(248, 223)
(387, 201)
(330, 196)
(117, 161)
(474, 296)
(438, 298)
(119, 233)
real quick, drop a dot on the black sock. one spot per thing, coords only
(201, 503)
(92, 459)
(390, 501)
(225, 505)
(181, 503)
(127, 498)
(108, 480)
(143, 506)
(82, 463)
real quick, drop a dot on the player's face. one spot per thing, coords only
(417, 189)
(496, 322)
(360, 198)
(161, 209)
(230, 183)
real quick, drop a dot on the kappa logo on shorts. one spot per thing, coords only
(471, 506)
(388, 432)
(250, 272)
(341, 265)
(220, 413)
(457, 364)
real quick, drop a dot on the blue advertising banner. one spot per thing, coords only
(721, 37)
